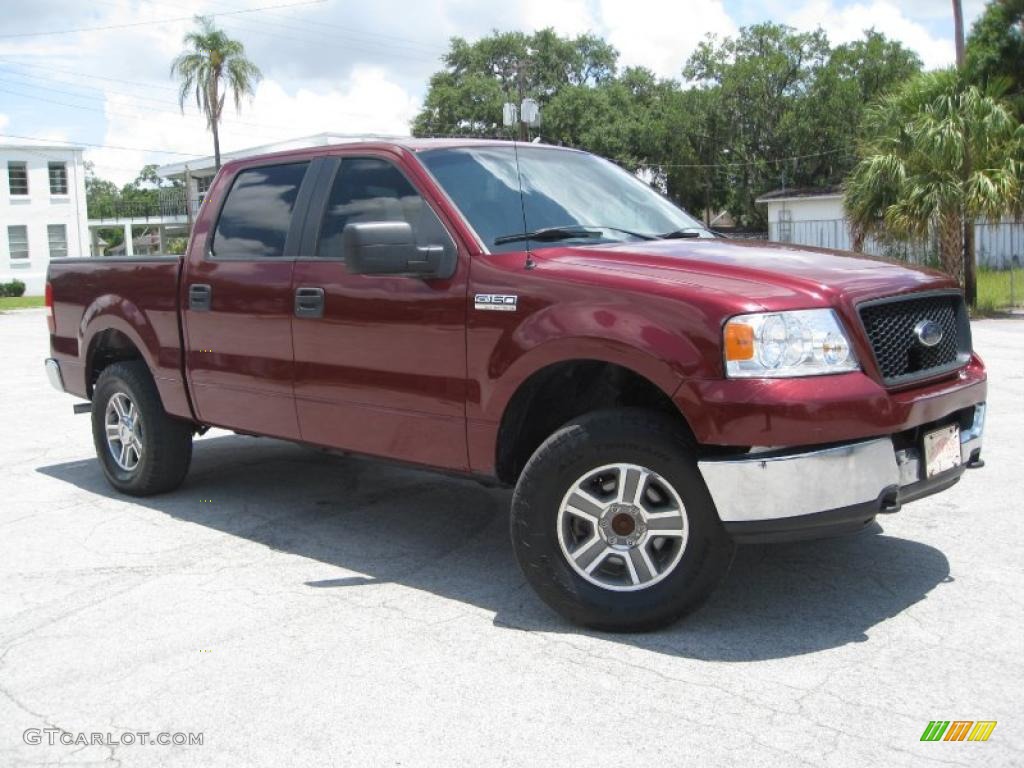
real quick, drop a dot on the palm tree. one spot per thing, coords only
(938, 154)
(211, 59)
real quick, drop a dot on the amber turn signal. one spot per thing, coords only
(739, 341)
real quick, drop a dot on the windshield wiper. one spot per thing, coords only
(638, 235)
(679, 234)
(550, 234)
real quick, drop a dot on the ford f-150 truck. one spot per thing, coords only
(538, 317)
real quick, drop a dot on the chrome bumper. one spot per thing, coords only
(54, 375)
(773, 487)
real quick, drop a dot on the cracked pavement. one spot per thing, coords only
(332, 610)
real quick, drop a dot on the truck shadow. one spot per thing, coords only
(449, 536)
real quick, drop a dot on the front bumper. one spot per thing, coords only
(790, 495)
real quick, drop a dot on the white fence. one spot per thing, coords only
(998, 246)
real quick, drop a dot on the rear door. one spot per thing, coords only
(380, 360)
(238, 302)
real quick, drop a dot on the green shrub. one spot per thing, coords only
(14, 288)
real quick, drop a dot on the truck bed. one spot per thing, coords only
(134, 296)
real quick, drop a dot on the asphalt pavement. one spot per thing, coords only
(289, 607)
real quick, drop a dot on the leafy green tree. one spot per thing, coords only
(767, 93)
(212, 66)
(101, 195)
(995, 49)
(937, 154)
(776, 93)
(465, 98)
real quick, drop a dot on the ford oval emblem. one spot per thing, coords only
(928, 333)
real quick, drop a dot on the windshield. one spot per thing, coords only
(562, 190)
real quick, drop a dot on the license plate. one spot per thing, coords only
(941, 450)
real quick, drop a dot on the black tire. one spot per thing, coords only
(166, 441)
(630, 436)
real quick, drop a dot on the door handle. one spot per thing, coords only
(309, 302)
(199, 296)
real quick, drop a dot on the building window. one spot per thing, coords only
(17, 178)
(17, 239)
(58, 178)
(203, 184)
(58, 236)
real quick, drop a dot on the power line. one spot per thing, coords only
(12, 61)
(744, 162)
(351, 33)
(10, 35)
(100, 146)
(325, 40)
(274, 129)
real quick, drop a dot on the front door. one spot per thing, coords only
(381, 367)
(238, 305)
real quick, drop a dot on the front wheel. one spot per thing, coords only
(613, 526)
(142, 450)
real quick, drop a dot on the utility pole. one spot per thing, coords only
(523, 133)
(958, 32)
(970, 277)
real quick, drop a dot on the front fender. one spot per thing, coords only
(628, 337)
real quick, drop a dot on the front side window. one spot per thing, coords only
(58, 178)
(17, 241)
(58, 237)
(257, 214)
(17, 178)
(368, 189)
(560, 188)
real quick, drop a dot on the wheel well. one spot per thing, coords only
(110, 346)
(561, 392)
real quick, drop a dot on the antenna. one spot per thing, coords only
(517, 116)
(530, 264)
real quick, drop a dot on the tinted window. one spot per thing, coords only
(369, 189)
(255, 219)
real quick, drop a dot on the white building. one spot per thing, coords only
(42, 210)
(815, 216)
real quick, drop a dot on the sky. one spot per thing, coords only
(97, 72)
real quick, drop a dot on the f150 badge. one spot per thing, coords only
(495, 302)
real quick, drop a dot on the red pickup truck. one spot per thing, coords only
(538, 316)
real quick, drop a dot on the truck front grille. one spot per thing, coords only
(890, 326)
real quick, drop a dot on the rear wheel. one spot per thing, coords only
(141, 449)
(613, 526)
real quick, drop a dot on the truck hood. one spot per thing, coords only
(772, 275)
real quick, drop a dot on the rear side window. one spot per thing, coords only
(257, 214)
(368, 189)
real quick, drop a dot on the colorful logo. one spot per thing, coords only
(958, 730)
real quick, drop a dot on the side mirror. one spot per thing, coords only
(388, 248)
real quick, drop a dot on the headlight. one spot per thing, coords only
(809, 342)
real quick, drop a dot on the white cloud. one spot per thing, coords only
(567, 17)
(4, 121)
(364, 68)
(368, 102)
(849, 22)
(660, 35)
